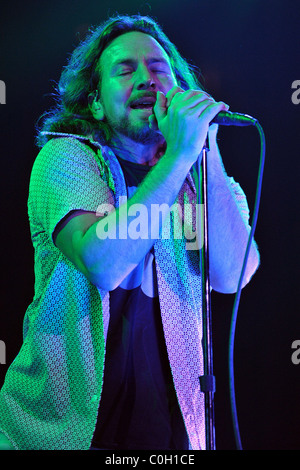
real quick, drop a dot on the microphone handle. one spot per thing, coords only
(226, 118)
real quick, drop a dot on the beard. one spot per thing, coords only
(139, 132)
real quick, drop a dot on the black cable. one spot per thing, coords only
(238, 293)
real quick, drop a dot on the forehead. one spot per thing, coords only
(132, 45)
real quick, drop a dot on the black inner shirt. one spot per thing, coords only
(138, 407)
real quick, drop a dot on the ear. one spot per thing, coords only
(96, 106)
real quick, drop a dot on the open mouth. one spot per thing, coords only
(142, 106)
(146, 102)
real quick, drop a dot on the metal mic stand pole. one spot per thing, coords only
(207, 381)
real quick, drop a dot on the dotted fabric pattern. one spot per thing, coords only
(52, 390)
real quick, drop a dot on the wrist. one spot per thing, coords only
(181, 160)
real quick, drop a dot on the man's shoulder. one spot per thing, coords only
(61, 141)
(62, 148)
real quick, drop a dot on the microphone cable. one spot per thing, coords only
(239, 289)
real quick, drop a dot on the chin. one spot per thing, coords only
(143, 135)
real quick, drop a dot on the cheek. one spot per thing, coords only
(167, 83)
(114, 98)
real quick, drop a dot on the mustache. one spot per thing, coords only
(149, 95)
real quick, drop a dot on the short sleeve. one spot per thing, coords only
(241, 200)
(65, 177)
(235, 188)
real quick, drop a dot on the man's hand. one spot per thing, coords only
(183, 118)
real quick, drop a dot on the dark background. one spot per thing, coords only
(249, 53)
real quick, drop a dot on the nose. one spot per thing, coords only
(145, 80)
(146, 84)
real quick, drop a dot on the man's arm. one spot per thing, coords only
(228, 232)
(183, 118)
(107, 261)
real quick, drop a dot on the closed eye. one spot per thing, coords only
(159, 71)
(125, 72)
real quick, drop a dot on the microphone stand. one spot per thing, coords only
(207, 381)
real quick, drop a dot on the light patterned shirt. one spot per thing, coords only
(52, 390)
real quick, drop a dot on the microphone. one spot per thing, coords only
(226, 118)
(223, 118)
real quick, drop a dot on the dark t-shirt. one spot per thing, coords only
(138, 408)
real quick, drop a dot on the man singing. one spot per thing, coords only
(112, 349)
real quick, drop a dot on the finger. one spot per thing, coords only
(153, 123)
(207, 110)
(171, 93)
(226, 106)
(191, 98)
(160, 109)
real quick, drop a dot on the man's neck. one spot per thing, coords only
(144, 154)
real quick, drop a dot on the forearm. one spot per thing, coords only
(110, 251)
(228, 232)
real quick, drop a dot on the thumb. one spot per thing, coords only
(160, 107)
(153, 122)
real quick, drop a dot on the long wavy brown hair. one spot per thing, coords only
(80, 78)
